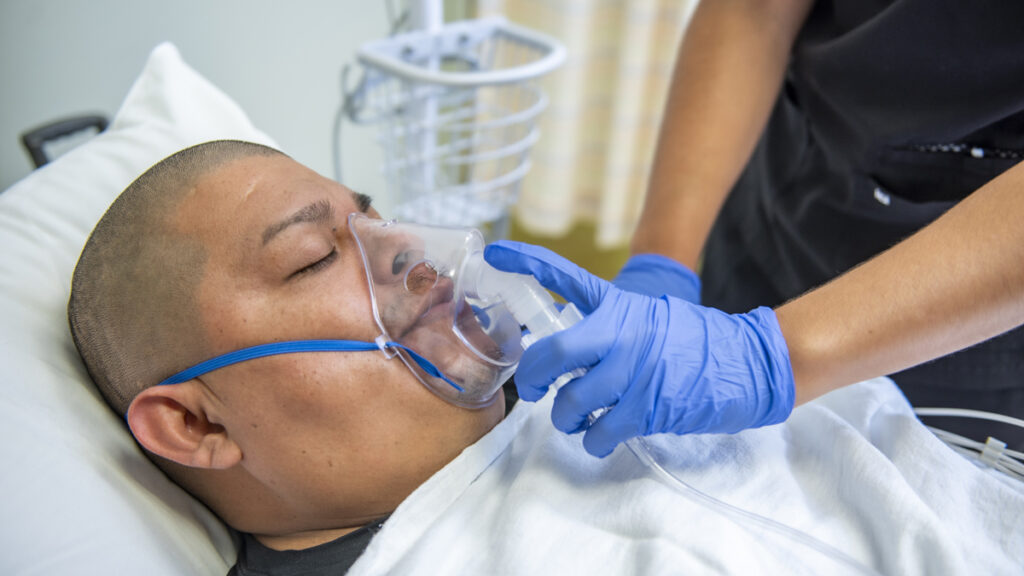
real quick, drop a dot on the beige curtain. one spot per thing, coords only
(599, 132)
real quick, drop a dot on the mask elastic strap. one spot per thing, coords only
(295, 346)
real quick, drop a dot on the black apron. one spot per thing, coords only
(891, 112)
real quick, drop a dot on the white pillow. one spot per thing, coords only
(78, 495)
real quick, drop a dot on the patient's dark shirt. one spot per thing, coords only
(334, 557)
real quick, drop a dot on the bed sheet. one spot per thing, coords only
(853, 471)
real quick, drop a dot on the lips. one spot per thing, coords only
(437, 304)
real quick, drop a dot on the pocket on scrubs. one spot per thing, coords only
(940, 172)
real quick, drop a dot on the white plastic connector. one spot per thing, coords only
(382, 342)
(993, 451)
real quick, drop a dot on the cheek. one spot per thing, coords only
(337, 378)
(307, 397)
(345, 427)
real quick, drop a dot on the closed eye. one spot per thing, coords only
(316, 266)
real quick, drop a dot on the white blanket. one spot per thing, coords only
(853, 470)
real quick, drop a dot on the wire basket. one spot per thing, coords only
(457, 113)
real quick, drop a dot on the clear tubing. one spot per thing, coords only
(1003, 459)
(639, 448)
(1007, 461)
(534, 308)
(966, 413)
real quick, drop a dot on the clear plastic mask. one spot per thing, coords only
(425, 291)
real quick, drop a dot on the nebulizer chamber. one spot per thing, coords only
(434, 294)
(529, 303)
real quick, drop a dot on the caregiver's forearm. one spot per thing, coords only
(728, 73)
(954, 283)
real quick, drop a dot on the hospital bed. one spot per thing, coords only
(45, 142)
(78, 495)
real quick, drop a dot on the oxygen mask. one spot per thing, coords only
(434, 295)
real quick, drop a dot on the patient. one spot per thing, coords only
(226, 245)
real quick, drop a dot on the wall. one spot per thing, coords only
(281, 61)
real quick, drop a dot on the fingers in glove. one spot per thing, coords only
(615, 426)
(553, 272)
(597, 389)
(542, 363)
(654, 275)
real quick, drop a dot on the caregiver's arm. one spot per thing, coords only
(728, 73)
(665, 365)
(954, 283)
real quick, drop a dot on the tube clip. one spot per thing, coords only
(993, 451)
(382, 342)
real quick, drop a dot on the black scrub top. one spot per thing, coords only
(890, 113)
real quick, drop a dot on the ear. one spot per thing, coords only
(171, 422)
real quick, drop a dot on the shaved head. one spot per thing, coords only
(133, 311)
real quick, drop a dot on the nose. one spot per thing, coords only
(421, 277)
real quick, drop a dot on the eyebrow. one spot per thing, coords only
(318, 212)
(362, 201)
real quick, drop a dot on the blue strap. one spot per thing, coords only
(427, 366)
(299, 346)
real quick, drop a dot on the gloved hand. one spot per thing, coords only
(655, 275)
(661, 364)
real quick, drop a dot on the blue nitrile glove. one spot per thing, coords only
(661, 364)
(656, 275)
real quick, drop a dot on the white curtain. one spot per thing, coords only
(599, 133)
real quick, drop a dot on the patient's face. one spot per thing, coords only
(345, 436)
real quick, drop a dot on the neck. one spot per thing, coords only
(303, 540)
